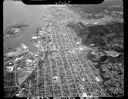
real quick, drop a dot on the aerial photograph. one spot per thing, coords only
(63, 50)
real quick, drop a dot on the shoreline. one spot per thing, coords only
(14, 33)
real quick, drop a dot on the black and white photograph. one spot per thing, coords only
(63, 50)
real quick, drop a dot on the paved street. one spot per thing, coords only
(60, 65)
(68, 72)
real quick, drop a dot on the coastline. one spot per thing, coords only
(12, 33)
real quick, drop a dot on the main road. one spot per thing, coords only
(70, 66)
(65, 71)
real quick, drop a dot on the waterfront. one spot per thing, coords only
(64, 65)
(16, 12)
